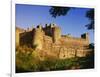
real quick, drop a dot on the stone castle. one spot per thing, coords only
(49, 41)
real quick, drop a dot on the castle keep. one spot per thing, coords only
(49, 41)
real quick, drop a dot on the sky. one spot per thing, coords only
(73, 23)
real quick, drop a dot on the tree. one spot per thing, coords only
(90, 16)
(62, 11)
(58, 11)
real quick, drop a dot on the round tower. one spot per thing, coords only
(38, 37)
(56, 34)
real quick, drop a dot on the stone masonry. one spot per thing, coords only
(49, 41)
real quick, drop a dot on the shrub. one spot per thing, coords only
(30, 62)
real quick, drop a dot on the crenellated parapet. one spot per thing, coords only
(49, 40)
(49, 34)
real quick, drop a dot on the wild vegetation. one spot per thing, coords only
(27, 60)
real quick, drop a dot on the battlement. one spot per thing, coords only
(36, 37)
(50, 40)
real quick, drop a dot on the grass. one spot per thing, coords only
(27, 60)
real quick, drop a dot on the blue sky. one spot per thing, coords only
(73, 23)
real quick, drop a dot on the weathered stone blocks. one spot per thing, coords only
(49, 40)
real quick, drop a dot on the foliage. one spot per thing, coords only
(26, 59)
(30, 62)
(91, 46)
(58, 11)
(90, 16)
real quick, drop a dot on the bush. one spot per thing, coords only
(27, 60)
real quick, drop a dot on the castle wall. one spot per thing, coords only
(74, 41)
(72, 52)
(66, 49)
(50, 41)
(26, 38)
(63, 51)
(47, 42)
(48, 31)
